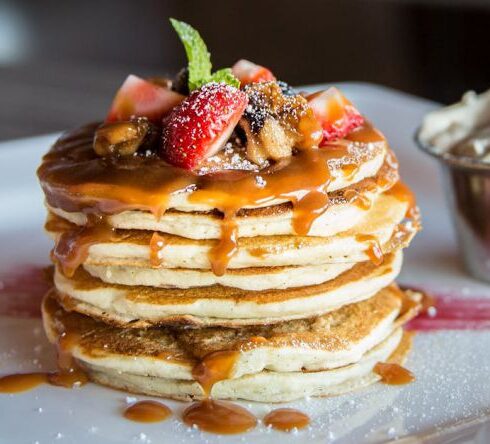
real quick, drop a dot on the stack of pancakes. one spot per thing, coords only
(293, 279)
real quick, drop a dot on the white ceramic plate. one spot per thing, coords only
(449, 402)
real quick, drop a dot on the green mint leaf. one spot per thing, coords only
(225, 76)
(199, 59)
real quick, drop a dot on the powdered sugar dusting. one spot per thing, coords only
(452, 386)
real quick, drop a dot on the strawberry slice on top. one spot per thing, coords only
(248, 72)
(200, 126)
(335, 113)
(142, 98)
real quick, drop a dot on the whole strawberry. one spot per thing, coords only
(201, 125)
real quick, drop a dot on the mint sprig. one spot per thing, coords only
(199, 59)
(225, 76)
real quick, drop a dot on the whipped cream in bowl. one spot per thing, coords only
(459, 133)
(459, 137)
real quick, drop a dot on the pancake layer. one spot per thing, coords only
(380, 224)
(138, 306)
(351, 340)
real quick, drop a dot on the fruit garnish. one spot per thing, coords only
(142, 98)
(199, 59)
(335, 113)
(201, 125)
(274, 123)
(248, 72)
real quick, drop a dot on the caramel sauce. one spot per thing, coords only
(401, 192)
(221, 417)
(362, 201)
(259, 252)
(407, 305)
(217, 416)
(76, 180)
(393, 374)
(72, 244)
(69, 374)
(350, 169)
(157, 243)
(286, 419)
(147, 411)
(74, 377)
(374, 250)
(21, 382)
(307, 209)
(366, 134)
(213, 368)
(221, 254)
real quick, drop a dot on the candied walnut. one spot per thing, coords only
(120, 138)
(276, 121)
(271, 142)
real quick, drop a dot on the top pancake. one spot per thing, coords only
(344, 209)
(74, 179)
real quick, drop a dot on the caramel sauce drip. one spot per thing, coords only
(407, 305)
(221, 254)
(157, 243)
(147, 411)
(307, 209)
(393, 374)
(69, 374)
(374, 250)
(213, 368)
(361, 200)
(217, 416)
(76, 180)
(21, 382)
(72, 243)
(220, 417)
(286, 419)
(403, 193)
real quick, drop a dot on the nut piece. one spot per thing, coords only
(276, 121)
(271, 142)
(120, 138)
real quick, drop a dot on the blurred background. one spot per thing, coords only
(61, 61)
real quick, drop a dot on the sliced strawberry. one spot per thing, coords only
(141, 98)
(200, 126)
(336, 114)
(248, 72)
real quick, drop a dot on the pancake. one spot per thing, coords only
(379, 224)
(137, 306)
(74, 178)
(165, 356)
(252, 279)
(346, 208)
(267, 386)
